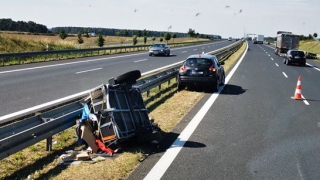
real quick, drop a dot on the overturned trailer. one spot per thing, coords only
(120, 113)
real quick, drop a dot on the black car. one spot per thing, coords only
(159, 49)
(203, 70)
(295, 57)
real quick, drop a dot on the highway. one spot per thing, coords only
(252, 129)
(28, 85)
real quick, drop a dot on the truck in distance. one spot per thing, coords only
(286, 41)
(258, 39)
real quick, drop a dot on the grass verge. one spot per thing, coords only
(36, 163)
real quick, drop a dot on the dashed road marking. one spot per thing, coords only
(88, 70)
(285, 75)
(141, 60)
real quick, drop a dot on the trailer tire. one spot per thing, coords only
(128, 77)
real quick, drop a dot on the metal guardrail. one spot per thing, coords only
(76, 53)
(24, 128)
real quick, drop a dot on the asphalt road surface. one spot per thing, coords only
(25, 86)
(251, 129)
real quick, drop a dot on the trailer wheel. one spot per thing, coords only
(128, 77)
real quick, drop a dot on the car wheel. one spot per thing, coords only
(150, 54)
(302, 64)
(215, 87)
(287, 62)
(223, 79)
(168, 53)
(128, 77)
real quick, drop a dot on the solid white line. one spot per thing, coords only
(305, 101)
(140, 60)
(272, 59)
(268, 54)
(285, 75)
(277, 64)
(88, 70)
(165, 161)
(313, 67)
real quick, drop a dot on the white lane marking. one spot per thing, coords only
(299, 169)
(268, 54)
(272, 59)
(195, 49)
(88, 70)
(313, 67)
(165, 161)
(285, 75)
(183, 51)
(85, 61)
(141, 60)
(319, 124)
(305, 101)
(277, 64)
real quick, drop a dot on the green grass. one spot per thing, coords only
(310, 46)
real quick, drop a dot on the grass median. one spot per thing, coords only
(167, 108)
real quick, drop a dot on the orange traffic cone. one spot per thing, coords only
(297, 94)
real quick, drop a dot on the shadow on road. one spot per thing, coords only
(230, 89)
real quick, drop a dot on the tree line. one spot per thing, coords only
(32, 27)
(22, 26)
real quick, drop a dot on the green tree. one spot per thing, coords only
(145, 39)
(315, 35)
(167, 37)
(153, 39)
(139, 34)
(63, 34)
(100, 41)
(80, 39)
(134, 40)
(191, 32)
(161, 39)
(125, 32)
(145, 32)
(310, 37)
(174, 35)
(118, 33)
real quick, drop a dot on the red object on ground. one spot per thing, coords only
(103, 147)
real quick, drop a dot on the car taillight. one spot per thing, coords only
(212, 69)
(182, 68)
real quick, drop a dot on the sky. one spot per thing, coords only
(227, 18)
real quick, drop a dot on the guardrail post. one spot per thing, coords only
(2, 59)
(49, 139)
(148, 93)
(19, 60)
(159, 87)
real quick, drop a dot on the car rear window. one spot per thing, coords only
(297, 53)
(192, 62)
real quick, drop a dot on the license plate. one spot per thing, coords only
(197, 72)
(297, 57)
